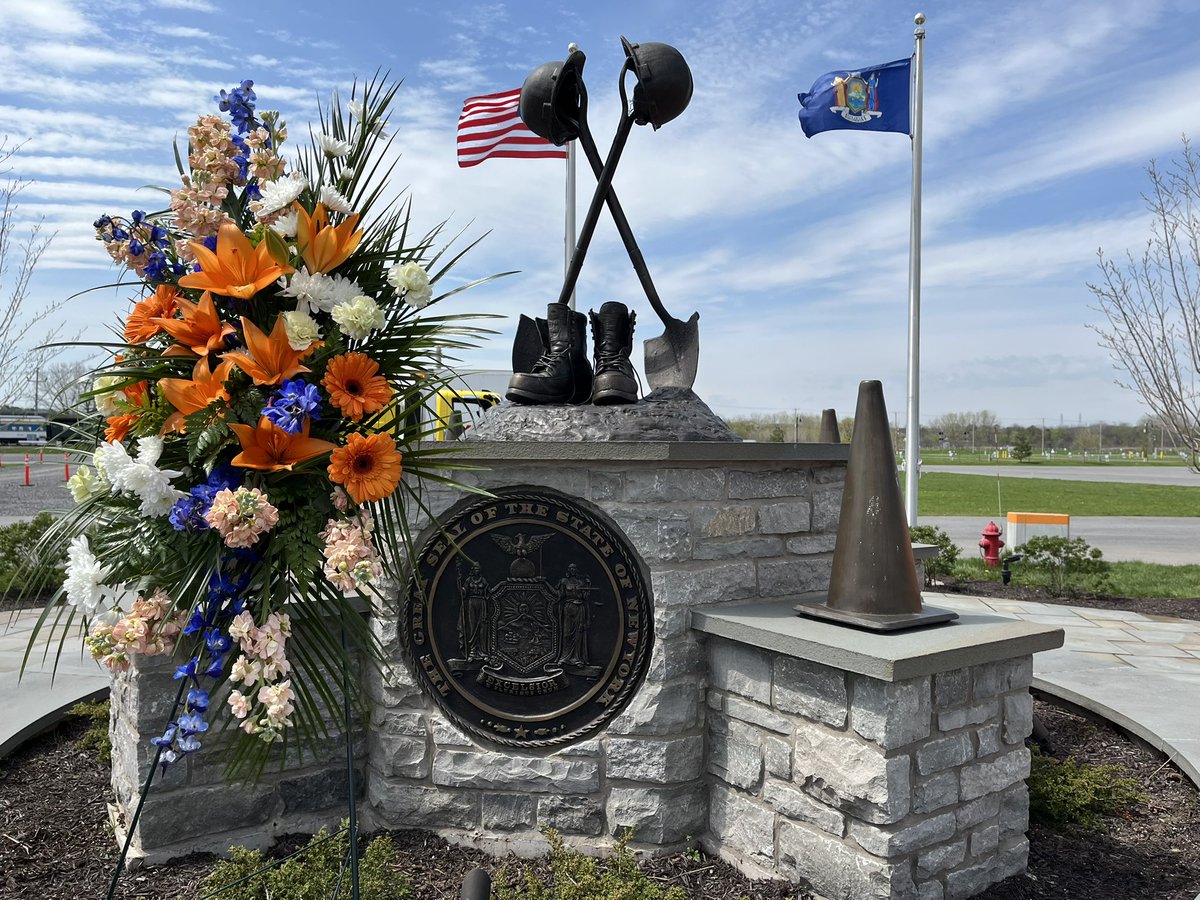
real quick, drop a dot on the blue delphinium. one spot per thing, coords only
(188, 512)
(292, 404)
(239, 103)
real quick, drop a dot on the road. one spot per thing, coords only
(47, 486)
(1174, 475)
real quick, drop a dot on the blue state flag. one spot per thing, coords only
(870, 99)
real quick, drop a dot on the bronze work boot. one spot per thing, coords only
(562, 374)
(612, 329)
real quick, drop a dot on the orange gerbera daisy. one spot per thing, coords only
(270, 448)
(354, 385)
(368, 466)
(140, 326)
(136, 400)
(324, 246)
(236, 268)
(271, 357)
(201, 329)
(191, 396)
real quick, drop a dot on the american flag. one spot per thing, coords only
(491, 126)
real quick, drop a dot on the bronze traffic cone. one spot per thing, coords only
(829, 428)
(874, 579)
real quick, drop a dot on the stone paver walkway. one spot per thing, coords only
(1140, 671)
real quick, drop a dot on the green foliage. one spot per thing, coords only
(311, 875)
(1070, 794)
(1069, 564)
(574, 876)
(96, 737)
(20, 564)
(944, 562)
(1021, 449)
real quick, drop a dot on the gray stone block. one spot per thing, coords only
(969, 881)
(657, 484)
(930, 890)
(671, 621)
(828, 474)
(568, 477)
(767, 485)
(446, 734)
(403, 805)
(658, 815)
(318, 791)
(901, 839)
(659, 709)
(981, 778)
(185, 815)
(738, 548)
(739, 669)
(507, 812)
(777, 757)
(1014, 811)
(735, 753)
(660, 535)
(970, 813)
(741, 824)
(716, 582)
(961, 717)
(791, 517)
(826, 508)
(1018, 717)
(571, 815)
(952, 688)
(401, 755)
(606, 485)
(809, 689)
(490, 770)
(808, 544)
(394, 688)
(724, 521)
(1012, 859)
(940, 858)
(985, 840)
(995, 678)
(944, 753)
(800, 575)
(893, 713)
(795, 804)
(988, 739)
(675, 658)
(756, 714)
(936, 792)
(854, 776)
(839, 871)
(655, 761)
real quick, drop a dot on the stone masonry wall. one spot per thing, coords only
(708, 533)
(868, 788)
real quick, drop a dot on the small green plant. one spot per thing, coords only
(943, 563)
(310, 875)
(22, 571)
(692, 853)
(1070, 794)
(574, 876)
(1069, 564)
(96, 737)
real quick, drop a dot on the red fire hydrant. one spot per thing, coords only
(990, 544)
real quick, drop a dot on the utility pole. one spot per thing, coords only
(797, 427)
(1043, 435)
(1100, 441)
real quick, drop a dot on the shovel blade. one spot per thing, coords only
(671, 359)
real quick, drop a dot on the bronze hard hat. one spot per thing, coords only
(550, 99)
(664, 82)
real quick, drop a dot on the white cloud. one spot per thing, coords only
(193, 5)
(62, 17)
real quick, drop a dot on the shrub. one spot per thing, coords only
(1070, 564)
(311, 874)
(96, 737)
(1021, 448)
(21, 570)
(1070, 794)
(943, 563)
(574, 876)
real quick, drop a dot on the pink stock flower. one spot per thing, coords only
(238, 704)
(241, 516)
(351, 559)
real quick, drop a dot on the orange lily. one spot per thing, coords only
(324, 246)
(192, 396)
(269, 448)
(141, 324)
(271, 358)
(201, 329)
(236, 268)
(136, 402)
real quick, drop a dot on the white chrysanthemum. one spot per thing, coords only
(84, 584)
(278, 194)
(83, 484)
(339, 289)
(408, 277)
(150, 483)
(110, 393)
(317, 290)
(335, 200)
(359, 317)
(301, 329)
(419, 299)
(334, 147)
(346, 174)
(112, 463)
(286, 224)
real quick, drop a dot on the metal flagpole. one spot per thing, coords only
(912, 440)
(569, 225)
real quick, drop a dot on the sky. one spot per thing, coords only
(1039, 120)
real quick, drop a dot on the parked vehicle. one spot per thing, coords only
(28, 430)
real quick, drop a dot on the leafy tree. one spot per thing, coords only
(1021, 448)
(1152, 303)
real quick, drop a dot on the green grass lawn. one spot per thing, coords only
(946, 494)
(983, 458)
(1125, 579)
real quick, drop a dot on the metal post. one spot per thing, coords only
(569, 224)
(912, 450)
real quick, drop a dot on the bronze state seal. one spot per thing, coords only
(528, 618)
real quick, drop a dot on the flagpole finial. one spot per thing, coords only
(572, 47)
(919, 18)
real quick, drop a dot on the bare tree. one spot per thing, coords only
(1152, 304)
(21, 331)
(62, 383)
